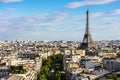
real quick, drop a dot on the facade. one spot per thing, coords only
(81, 52)
(111, 64)
(15, 77)
(31, 74)
(4, 71)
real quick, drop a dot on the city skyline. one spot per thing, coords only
(58, 20)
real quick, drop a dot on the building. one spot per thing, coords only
(111, 64)
(4, 70)
(15, 77)
(81, 52)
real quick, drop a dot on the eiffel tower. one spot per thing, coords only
(87, 40)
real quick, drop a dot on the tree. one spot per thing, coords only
(58, 58)
(17, 70)
(57, 75)
(118, 79)
(112, 76)
(52, 57)
(43, 77)
(45, 70)
(57, 67)
(53, 62)
(47, 62)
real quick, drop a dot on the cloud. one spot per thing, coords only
(105, 15)
(3, 16)
(94, 15)
(11, 9)
(9, 1)
(60, 16)
(101, 18)
(114, 12)
(58, 26)
(87, 2)
(29, 27)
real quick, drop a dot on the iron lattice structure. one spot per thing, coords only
(87, 40)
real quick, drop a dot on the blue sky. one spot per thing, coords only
(58, 19)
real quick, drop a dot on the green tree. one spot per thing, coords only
(52, 57)
(17, 70)
(53, 62)
(57, 75)
(109, 76)
(45, 70)
(47, 62)
(43, 77)
(118, 79)
(57, 67)
(112, 76)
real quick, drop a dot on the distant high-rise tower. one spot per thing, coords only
(87, 40)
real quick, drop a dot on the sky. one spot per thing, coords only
(59, 19)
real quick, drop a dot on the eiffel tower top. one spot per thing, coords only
(87, 23)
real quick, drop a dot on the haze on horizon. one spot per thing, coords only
(59, 19)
